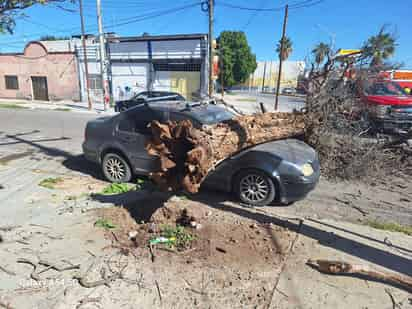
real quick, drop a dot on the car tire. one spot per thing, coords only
(255, 188)
(116, 168)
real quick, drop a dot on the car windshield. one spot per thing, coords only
(386, 89)
(214, 116)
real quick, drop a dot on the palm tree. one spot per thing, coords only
(379, 47)
(321, 51)
(287, 48)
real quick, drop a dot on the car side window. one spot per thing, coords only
(126, 125)
(139, 119)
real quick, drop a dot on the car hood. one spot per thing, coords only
(389, 100)
(292, 150)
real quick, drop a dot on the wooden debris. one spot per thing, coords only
(5, 270)
(344, 268)
(88, 300)
(106, 279)
(221, 250)
(158, 290)
(186, 154)
(8, 228)
(35, 274)
(93, 284)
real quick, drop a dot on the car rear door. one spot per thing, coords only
(132, 132)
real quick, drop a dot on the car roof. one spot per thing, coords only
(196, 110)
(185, 107)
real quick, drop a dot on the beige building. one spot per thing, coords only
(266, 75)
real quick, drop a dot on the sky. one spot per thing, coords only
(347, 23)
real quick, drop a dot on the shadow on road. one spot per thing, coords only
(140, 204)
(72, 162)
(345, 245)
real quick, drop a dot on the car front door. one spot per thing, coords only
(132, 132)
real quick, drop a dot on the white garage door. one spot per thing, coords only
(128, 79)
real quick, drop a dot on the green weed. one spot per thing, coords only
(50, 183)
(12, 105)
(118, 188)
(183, 238)
(104, 223)
(392, 227)
(62, 109)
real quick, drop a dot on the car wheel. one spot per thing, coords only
(116, 168)
(255, 188)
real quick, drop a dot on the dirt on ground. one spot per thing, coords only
(228, 252)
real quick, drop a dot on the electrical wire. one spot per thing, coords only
(123, 22)
(254, 14)
(297, 5)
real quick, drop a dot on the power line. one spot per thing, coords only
(254, 14)
(123, 22)
(153, 15)
(297, 5)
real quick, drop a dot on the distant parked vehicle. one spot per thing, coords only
(285, 170)
(144, 97)
(288, 91)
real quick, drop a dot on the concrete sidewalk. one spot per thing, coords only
(65, 105)
(246, 103)
(300, 286)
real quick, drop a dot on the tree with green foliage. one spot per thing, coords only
(10, 9)
(320, 52)
(379, 47)
(238, 61)
(287, 48)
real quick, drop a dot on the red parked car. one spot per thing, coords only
(388, 107)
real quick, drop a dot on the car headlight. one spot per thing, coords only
(307, 170)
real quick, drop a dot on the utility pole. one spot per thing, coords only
(211, 50)
(285, 21)
(264, 76)
(102, 52)
(221, 76)
(86, 67)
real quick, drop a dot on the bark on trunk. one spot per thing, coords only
(186, 154)
(343, 268)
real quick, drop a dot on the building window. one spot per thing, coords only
(182, 67)
(95, 81)
(12, 82)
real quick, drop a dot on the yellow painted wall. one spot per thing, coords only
(185, 83)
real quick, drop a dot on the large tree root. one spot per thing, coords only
(187, 154)
(344, 268)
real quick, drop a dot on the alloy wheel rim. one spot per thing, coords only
(116, 168)
(254, 188)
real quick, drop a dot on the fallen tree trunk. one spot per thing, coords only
(343, 268)
(186, 154)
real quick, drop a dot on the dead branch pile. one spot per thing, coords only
(347, 147)
(186, 154)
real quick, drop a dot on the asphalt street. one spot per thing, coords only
(249, 102)
(34, 129)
